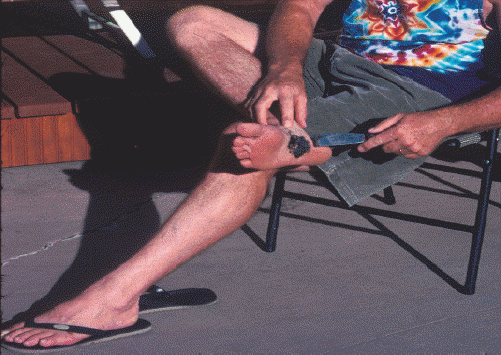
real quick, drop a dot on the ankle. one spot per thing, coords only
(115, 294)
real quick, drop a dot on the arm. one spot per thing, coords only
(289, 37)
(418, 134)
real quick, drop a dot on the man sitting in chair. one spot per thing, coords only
(414, 64)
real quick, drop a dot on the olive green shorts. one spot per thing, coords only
(347, 93)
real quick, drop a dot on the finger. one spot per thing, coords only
(287, 111)
(301, 110)
(261, 109)
(393, 148)
(411, 156)
(376, 141)
(249, 106)
(387, 123)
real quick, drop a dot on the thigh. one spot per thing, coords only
(240, 31)
(359, 91)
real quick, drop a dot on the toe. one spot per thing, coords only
(239, 141)
(15, 332)
(242, 155)
(29, 332)
(246, 163)
(35, 338)
(61, 338)
(8, 332)
(249, 129)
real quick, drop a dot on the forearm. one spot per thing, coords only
(477, 115)
(290, 32)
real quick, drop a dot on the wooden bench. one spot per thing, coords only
(38, 124)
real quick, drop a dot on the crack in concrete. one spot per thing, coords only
(110, 225)
(45, 247)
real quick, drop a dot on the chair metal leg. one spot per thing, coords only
(388, 196)
(276, 205)
(480, 219)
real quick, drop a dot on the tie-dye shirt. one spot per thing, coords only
(439, 35)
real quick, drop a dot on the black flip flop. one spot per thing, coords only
(96, 335)
(157, 299)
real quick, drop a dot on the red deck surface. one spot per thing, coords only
(38, 120)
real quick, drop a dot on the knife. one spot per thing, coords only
(330, 140)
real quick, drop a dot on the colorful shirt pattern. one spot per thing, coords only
(439, 35)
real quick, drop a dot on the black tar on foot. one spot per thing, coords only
(298, 145)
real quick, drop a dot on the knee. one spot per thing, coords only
(189, 26)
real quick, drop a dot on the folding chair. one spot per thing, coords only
(124, 31)
(477, 230)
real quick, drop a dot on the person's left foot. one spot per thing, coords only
(268, 147)
(262, 147)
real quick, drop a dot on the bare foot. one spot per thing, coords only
(94, 309)
(267, 147)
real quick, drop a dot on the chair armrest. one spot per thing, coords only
(463, 140)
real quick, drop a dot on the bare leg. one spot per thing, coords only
(220, 47)
(218, 206)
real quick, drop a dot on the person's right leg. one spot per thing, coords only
(220, 47)
(222, 203)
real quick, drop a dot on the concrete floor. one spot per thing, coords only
(344, 287)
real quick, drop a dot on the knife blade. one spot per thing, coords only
(335, 139)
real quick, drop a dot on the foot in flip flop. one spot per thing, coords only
(93, 335)
(97, 308)
(42, 336)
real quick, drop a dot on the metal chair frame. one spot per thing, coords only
(477, 230)
(124, 31)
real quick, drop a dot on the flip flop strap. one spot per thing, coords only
(64, 327)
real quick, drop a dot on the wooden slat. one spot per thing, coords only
(50, 140)
(42, 140)
(6, 142)
(7, 110)
(19, 144)
(93, 56)
(31, 95)
(34, 140)
(81, 147)
(65, 136)
(41, 57)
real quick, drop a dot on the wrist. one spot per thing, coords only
(449, 120)
(291, 65)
